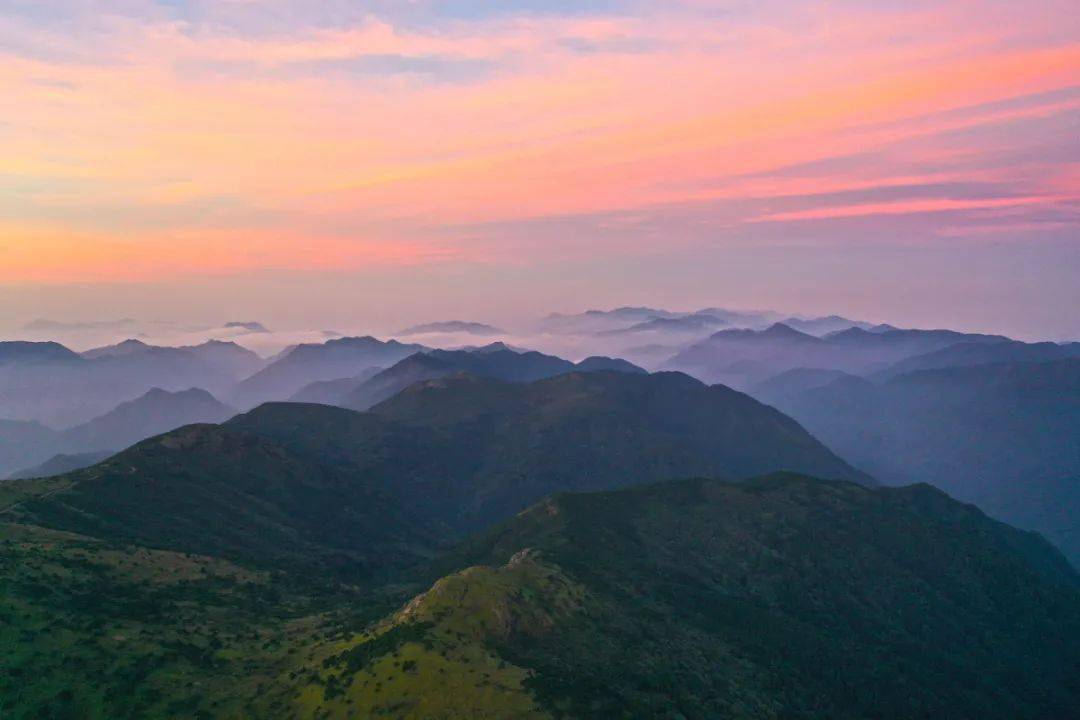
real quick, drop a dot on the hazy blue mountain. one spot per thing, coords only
(1003, 436)
(24, 443)
(791, 382)
(597, 319)
(308, 363)
(54, 386)
(452, 326)
(250, 326)
(60, 464)
(691, 324)
(124, 348)
(156, 412)
(825, 325)
(27, 447)
(620, 320)
(16, 352)
(984, 353)
(220, 358)
(743, 358)
(331, 392)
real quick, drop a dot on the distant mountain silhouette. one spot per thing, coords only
(743, 358)
(499, 364)
(156, 412)
(48, 383)
(452, 326)
(23, 444)
(16, 351)
(599, 363)
(60, 464)
(791, 382)
(308, 363)
(493, 361)
(333, 392)
(699, 323)
(824, 325)
(621, 319)
(984, 353)
(1003, 436)
(252, 327)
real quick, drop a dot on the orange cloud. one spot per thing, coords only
(908, 207)
(571, 115)
(46, 255)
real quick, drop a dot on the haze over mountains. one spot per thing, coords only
(376, 527)
(301, 552)
(155, 412)
(1000, 435)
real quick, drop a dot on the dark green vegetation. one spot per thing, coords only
(303, 561)
(1005, 436)
(465, 451)
(308, 485)
(782, 596)
(791, 597)
(208, 490)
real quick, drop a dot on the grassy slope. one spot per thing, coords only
(778, 597)
(786, 597)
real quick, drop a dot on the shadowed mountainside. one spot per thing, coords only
(1003, 436)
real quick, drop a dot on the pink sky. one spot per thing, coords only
(193, 142)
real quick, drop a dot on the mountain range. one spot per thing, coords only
(1000, 435)
(452, 326)
(217, 572)
(743, 358)
(498, 532)
(495, 361)
(49, 384)
(304, 364)
(25, 446)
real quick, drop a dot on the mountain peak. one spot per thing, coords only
(453, 326)
(782, 330)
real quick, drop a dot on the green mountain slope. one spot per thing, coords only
(204, 489)
(468, 451)
(777, 597)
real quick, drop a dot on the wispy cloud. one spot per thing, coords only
(345, 130)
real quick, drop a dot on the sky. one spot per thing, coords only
(314, 163)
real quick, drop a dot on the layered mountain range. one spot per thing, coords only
(368, 528)
(475, 547)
